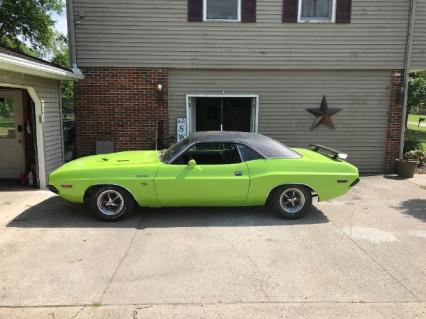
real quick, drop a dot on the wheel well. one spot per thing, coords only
(313, 192)
(89, 192)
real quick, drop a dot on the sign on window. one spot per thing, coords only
(181, 129)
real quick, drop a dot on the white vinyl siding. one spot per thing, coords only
(156, 33)
(419, 38)
(361, 126)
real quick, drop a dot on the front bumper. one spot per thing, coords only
(53, 189)
(355, 182)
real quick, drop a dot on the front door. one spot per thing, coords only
(12, 149)
(219, 178)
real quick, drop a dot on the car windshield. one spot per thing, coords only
(173, 150)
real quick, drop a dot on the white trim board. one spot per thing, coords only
(17, 64)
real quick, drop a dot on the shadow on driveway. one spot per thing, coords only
(54, 212)
(415, 208)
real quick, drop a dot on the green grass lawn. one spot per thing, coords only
(415, 118)
(413, 131)
(6, 124)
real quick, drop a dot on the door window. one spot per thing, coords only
(211, 153)
(7, 118)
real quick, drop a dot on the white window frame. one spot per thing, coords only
(301, 19)
(221, 20)
(190, 110)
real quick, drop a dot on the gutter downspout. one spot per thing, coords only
(71, 37)
(407, 67)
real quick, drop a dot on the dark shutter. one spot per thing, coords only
(343, 11)
(290, 11)
(195, 10)
(248, 11)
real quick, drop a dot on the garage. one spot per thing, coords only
(31, 139)
(276, 103)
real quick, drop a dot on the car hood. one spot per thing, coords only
(112, 159)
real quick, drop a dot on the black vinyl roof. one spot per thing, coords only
(227, 136)
(266, 146)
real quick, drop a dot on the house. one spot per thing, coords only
(30, 117)
(250, 65)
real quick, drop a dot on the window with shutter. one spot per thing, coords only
(343, 11)
(317, 10)
(248, 10)
(290, 11)
(195, 10)
(338, 11)
(222, 10)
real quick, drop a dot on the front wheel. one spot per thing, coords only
(291, 201)
(111, 203)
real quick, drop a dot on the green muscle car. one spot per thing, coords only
(207, 169)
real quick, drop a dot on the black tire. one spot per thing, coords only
(109, 208)
(302, 198)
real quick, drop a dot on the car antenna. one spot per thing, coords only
(156, 138)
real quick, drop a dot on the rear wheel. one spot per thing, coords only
(292, 201)
(111, 203)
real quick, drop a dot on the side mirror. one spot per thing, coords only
(192, 163)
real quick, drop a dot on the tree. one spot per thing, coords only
(6, 107)
(416, 91)
(26, 26)
(61, 57)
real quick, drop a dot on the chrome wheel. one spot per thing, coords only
(110, 202)
(292, 200)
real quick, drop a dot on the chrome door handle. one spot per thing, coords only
(238, 173)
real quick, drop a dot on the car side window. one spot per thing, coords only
(248, 154)
(211, 153)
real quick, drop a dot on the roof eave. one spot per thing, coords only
(17, 64)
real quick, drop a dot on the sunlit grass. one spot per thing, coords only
(415, 132)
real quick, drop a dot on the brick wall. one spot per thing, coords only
(394, 121)
(120, 105)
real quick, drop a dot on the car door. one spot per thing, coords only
(218, 177)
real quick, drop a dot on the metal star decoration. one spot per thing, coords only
(323, 114)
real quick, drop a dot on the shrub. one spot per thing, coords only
(416, 155)
(412, 144)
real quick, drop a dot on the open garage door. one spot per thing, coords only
(222, 113)
(12, 147)
(17, 138)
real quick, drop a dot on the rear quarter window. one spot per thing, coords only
(274, 149)
(248, 154)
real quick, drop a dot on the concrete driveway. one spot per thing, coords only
(361, 256)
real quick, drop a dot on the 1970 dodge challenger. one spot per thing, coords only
(207, 169)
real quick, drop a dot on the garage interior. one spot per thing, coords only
(224, 113)
(18, 140)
